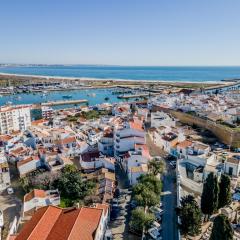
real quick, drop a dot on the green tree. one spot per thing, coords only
(24, 181)
(147, 191)
(209, 199)
(71, 185)
(222, 229)
(141, 220)
(144, 196)
(156, 166)
(151, 182)
(225, 196)
(190, 216)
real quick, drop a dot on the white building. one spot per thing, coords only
(136, 172)
(161, 119)
(4, 172)
(92, 161)
(47, 112)
(232, 166)
(14, 118)
(127, 135)
(194, 169)
(28, 165)
(39, 198)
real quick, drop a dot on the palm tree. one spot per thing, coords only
(156, 166)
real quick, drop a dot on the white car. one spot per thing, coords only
(154, 233)
(157, 225)
(156, 210)
(10, 190)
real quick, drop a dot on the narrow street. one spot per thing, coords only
(169, 198)
(169, 221)
(120, 226)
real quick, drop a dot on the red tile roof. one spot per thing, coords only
(38, 122)
(136, 124)
(5, 138)
(67, 140)
(90, 156)
(53, 223)
(86, 224)
(27, 160)
(184, 144)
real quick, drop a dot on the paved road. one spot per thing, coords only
(119, 226)
(169, 221)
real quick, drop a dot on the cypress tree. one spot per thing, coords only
(190, 216)
(209, 199)
(222, 229)
(225, 196)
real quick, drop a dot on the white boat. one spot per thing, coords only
(1, 219)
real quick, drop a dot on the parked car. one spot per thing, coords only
(133, 204)
(173, 164)
(117, 193)
(158, 217)
(160, 205)
(157, 225)
(171, 158)
(114, 201)
(114, 211)
(10, 190)
(236, 196)
(154, 233)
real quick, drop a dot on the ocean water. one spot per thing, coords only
(179, 74)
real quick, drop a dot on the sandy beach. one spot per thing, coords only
(99, 81)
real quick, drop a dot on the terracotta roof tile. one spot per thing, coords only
(5, 138)
(32, 227)
(86, 224)
(185, 144)
(53, 223)
(28, 159)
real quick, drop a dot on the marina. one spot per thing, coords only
(67, 98)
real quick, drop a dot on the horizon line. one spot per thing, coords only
(109, 65)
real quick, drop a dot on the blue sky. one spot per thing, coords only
(124, 32)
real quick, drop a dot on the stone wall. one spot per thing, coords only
(225, 134)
